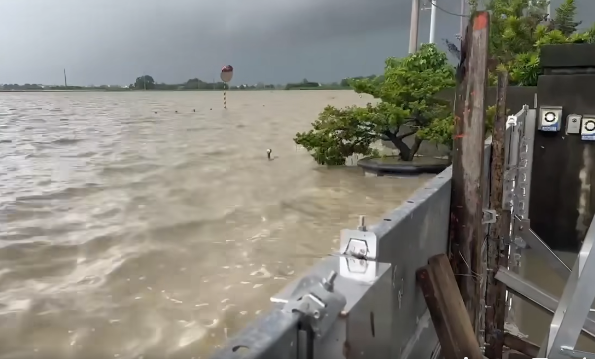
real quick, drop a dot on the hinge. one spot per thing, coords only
(489, 216)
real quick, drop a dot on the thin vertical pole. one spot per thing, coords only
(549, 10)
(414, 26)
(225, 95)
(433, 22)
(499, 231)
(65, 82)
(463, 13)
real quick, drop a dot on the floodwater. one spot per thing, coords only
(128, 229)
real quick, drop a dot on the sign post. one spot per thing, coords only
(226, 76)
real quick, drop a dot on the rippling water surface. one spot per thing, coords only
(128, 230)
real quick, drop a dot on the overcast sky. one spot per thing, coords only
(274, 41)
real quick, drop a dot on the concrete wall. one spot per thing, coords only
(563, 166)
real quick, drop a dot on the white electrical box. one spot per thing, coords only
(550, 118)
(588, 128)
(573, 124)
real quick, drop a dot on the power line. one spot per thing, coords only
(446, 11)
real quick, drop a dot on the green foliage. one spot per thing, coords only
(304, 84)
(145, 82)
(518, 30)
(564, 20)
(340, 133)
(440, 132)
(407, 97)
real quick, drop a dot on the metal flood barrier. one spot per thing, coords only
(362, 302)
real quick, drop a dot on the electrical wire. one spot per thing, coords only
(446, 11)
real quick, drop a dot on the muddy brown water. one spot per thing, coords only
(129, 230)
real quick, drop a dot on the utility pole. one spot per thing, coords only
(414, 26)
(65, 82)
(463, 13)
(549, 10)
(467, 229)
(433, 22)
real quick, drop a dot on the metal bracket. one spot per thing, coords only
(360, 243)
(489, 216)
(511, 143)
(319, 304)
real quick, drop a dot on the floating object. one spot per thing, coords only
(226, 76)
(269, 153)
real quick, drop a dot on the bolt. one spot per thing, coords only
(329, 282)
(316, 314)
(362, 223)
(331, 277)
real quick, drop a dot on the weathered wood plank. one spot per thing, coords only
(467, 194)
(449, 314)
(499, 231)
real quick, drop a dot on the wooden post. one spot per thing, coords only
(499, 231)
(466, 227)
(449, 314)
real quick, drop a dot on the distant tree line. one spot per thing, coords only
(38, 87)
(343, 84)
(33, 87)
(147, 82)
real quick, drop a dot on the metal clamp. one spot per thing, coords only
(489, 216)
(360, 243)
(318, 303)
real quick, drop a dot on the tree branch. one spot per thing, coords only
(400, 137)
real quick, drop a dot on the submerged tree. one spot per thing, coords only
(407, 99)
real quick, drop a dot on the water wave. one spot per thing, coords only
(128, 229)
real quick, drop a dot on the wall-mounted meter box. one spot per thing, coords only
(588, 128)
(573, 124)
(550, 118)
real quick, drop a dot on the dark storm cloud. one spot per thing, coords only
(113, 41)
(318, 21)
